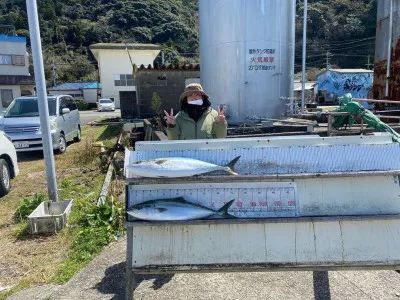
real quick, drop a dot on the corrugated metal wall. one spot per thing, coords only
(381, 48)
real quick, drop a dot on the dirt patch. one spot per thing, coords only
(35, 174)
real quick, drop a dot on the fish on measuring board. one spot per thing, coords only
(176, 209)
(177, 167)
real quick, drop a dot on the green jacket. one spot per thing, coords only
(205, 128)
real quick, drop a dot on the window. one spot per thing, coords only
(6, 97)
(5, 59)
(18, 60)
(28, 107)
(76, 95)
(105, 101)
(123, 80)
(67, 102)
(71, 104)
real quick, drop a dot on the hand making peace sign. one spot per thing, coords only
(170, 117)
(221, 113)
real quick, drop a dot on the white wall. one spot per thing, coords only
(14, 48)
(67, 92)
(90, 95)
(116, 61)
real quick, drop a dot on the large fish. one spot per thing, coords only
(176, 167)
(177, 209)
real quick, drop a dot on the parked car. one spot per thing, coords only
(21, 122)
(105, 104)
(8, 163)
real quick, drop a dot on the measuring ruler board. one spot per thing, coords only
(252, 199)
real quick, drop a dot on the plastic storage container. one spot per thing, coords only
(50, 217)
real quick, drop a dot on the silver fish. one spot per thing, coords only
(177, 209)
(176, 167)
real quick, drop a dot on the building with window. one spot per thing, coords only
(115, 63)
(89, 91)
(15, 80)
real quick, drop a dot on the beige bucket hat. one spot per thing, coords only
(191, 89)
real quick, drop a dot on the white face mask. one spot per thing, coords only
(196, 102)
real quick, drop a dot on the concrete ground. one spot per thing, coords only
(103, 278)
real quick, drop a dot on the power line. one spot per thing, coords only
(350, 41)
(343, 43)
(355, 46)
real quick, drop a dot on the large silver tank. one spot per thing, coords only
(247, 55)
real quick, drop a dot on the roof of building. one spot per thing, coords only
(17, 80)
(183, 67)
(309, 85)
(73, 86)
(343, 71)
(123, 46)
(93, 85)
(13, 39)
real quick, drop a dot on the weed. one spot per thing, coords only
(21, 230)
(79, 178)
(156, 104)
(22, 285)
(87, 156)
(93, 227)
(117, 187)
(27, 206)
(108, 135)
(65, 189)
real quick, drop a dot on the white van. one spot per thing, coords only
(21, 122)
(8, 163)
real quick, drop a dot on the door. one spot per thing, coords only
(128, 105)
(74, 115)
(65, 120)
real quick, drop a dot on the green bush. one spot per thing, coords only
(27, 206)
(93, 227)
(82, 104)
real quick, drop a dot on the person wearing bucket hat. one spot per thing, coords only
(196, 120)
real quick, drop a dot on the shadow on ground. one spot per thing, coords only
(321, 285)
(36, 155)
(114, 281)
(30, 156)
(110, 132)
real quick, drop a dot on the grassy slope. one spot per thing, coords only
(23, 255)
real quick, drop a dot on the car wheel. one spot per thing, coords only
(62, 144)
(78, 135)
(5, 177)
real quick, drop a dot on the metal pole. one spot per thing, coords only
(292, 50)
(303, 75)
(389, 50)
(34, 33)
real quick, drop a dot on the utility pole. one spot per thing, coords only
(328, 54)
(37, 56)
(303, 75)
(369, 64)
(53, 66)
(162, 58)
